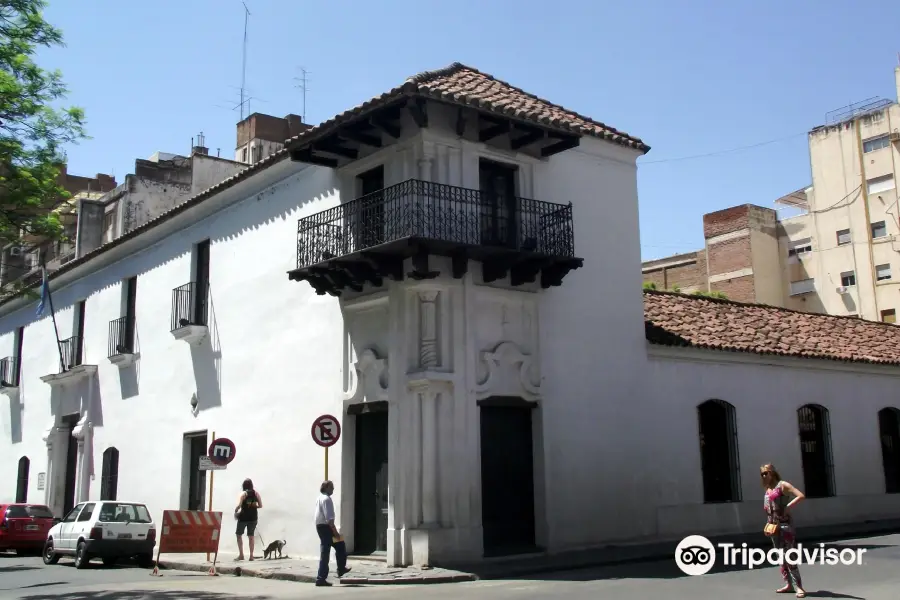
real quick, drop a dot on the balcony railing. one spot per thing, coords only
(121, 336)
(451, 215)
(9, 372)
(71, 353)
(188, 305)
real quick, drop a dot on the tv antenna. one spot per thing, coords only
(244, 58)
(302, 82)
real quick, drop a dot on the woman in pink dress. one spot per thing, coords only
(780, 498)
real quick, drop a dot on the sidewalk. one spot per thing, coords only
(363, 571)
(373, 571)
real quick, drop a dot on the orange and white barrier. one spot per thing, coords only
(188, 532)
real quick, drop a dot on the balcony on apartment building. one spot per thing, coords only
(121, 346)
(367, 239)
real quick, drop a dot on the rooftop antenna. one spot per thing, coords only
(244, 59)
(301, 84)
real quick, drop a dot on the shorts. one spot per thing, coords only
(250, 526)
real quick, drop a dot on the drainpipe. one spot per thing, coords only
(864, 190)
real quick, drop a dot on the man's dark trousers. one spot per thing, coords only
(340, 551)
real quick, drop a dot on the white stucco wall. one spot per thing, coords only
(766, 393)
(260, 379)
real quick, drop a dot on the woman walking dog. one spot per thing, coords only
(247, 516)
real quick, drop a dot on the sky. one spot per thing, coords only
(723, 92)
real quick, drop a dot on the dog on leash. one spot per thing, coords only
(273, 548)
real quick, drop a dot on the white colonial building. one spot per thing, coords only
(451, 269)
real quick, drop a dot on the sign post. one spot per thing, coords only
(220, 453)
(326, 431)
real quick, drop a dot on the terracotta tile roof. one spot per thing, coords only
(681, 320)
(456, 84)
(465, 86)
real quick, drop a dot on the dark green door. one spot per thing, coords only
(370, 527)
(507, 480)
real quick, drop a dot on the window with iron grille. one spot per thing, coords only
(815, 451)
(889, 428)
(109, 479)
(22, 480)
(719, 456)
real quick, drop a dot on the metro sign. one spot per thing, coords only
(221, 451)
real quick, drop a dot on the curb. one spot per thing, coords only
(632, 555)
(666, 552)
(243, 572)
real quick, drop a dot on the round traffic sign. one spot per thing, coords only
(221, 451)
(326, 431)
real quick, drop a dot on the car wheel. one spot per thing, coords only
(109, 561)
(50, 557)
(81, 556)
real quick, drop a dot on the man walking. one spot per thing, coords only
(328, 535)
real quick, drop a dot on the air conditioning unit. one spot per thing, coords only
(841, 290)
(895, 136)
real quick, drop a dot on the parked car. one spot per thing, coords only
(24, 527)
(104, 529)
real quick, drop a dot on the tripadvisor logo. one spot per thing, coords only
(696, 555)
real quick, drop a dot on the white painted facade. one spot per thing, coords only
(615, 432)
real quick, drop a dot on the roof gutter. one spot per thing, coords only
(162, 227)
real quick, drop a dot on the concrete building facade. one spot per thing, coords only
(840, 255)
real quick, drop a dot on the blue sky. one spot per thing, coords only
(690, 78)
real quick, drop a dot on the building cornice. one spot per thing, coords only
(726, 357)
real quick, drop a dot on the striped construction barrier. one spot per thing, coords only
(189, 532)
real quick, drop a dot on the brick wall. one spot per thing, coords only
(739, 289)
(726, 221)
(729, 256)
(689, 271)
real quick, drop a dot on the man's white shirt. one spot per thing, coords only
(324, 509)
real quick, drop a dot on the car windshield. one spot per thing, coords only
(120, 512)
(39, 512)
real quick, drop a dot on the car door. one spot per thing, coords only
(64, 541)
(82, 526)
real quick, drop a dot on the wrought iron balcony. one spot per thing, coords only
(189, 305)
(367, 239)
(9, 372)
(71, 350)
(121, 336)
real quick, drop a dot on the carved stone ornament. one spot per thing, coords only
(82, 428)
(505, 357)
(368, 379)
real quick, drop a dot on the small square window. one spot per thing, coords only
(889, 315)
(848, 279)
(883, 272)
(879, 229)
(843, 237)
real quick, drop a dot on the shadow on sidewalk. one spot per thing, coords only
(144, 594)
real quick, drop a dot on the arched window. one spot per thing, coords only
(889, 427)
(719, 456)
(815, 451)
(22, 480)
(109, 479)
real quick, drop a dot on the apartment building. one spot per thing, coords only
(839, 254)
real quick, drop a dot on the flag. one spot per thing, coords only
(45, 292)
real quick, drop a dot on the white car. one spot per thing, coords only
(106, 529)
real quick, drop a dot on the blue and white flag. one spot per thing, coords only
(45, 292)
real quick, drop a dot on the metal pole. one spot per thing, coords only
(45, 278)
(326, 463)
(212, 476)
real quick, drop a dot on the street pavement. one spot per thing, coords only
(878, 578)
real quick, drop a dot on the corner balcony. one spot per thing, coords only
(368, 239)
